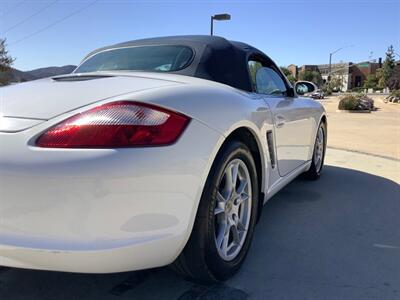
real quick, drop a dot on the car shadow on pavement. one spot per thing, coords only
(336, 238)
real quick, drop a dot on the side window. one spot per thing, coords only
(265, 80)
(254, 66)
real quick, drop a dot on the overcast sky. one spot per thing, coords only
(44, 33)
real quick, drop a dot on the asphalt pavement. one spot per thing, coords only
(336, 238)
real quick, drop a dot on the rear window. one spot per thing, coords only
(163, 58)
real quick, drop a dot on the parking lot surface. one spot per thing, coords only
(336, 238)
(375, 133)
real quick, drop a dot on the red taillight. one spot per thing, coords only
(116, 124)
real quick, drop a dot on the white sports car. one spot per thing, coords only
(151, 152)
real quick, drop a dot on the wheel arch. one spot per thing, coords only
(321, 119)
(324, 120)
(248, 137)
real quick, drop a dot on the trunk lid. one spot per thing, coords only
(46, 98)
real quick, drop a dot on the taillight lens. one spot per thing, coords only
(116, 124)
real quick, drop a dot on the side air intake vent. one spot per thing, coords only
(270, 141)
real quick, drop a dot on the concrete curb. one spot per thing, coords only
(362, 152)
(365, 111)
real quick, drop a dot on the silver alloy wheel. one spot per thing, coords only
(319, 149)
(232, 212)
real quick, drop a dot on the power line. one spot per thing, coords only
(54, 23)
(30, 17)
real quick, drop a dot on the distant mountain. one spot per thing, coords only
(51, 71)
(21, 76)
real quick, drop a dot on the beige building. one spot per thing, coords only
(293, 70)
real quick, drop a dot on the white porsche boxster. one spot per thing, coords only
(152, 152)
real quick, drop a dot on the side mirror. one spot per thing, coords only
(290, 92)
(304, 87)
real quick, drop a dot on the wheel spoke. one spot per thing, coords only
(242, 186)
(235, 173)
(321, 135)
(221, 233)
(240, 226)
(235, 235)
(221, 204)
(243, 197)
(220, 198)
(225, 239)
(228, 182)
(218, 210)
(317, 158)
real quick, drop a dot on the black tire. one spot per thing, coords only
(315, 171)
(200, 260)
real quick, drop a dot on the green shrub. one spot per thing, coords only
(348, 102)
(394, 96)
(357, 89)
(356, 102)
(327, 90)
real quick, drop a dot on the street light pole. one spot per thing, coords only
(212, 25)
(219, 17)
(330, 60)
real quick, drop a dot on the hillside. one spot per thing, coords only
(21, 76)
(51, 71)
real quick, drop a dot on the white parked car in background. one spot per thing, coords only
(318, 94)
(151, 152)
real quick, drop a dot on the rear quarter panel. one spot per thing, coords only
(221, 108)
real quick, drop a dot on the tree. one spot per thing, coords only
(388, 65)
(291, 78)
(336, 83)
(285, 71)
(317, 78)
(306, 75)
(394, 80)
(5, 63)
(313, 76)
(380, 79)
(288, 75)
(372, 82)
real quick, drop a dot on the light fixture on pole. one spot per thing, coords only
(219, 17)
(330, 60)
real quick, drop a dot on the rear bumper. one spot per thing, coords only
(100, 211)
(140, 254)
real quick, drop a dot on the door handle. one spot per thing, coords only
(279, 121)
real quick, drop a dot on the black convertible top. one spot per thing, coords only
(215, 58)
